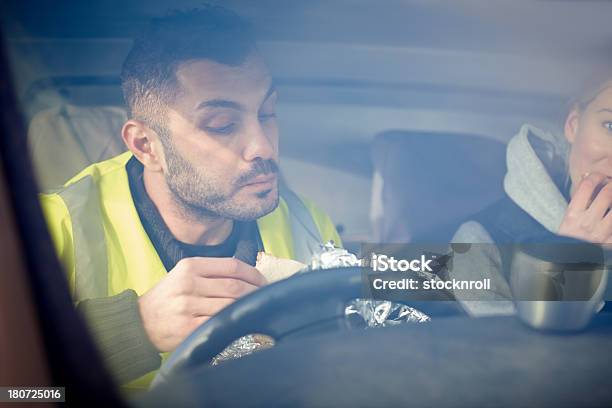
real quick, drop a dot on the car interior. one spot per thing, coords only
(341, 86)
(394, 118)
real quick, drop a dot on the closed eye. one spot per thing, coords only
(223, 130)
(267, 116)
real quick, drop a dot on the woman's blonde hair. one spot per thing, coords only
(598, 79)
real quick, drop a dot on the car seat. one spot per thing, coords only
(65, 139)
(426, 184)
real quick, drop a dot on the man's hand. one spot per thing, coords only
(588, 216)
(195, 290)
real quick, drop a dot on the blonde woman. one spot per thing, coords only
(559, 183)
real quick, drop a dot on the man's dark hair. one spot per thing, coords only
(148, 76)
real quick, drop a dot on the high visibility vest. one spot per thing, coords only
(105, 250)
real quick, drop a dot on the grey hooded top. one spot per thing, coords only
(535, 178)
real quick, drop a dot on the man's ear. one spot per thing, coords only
(571, 125)
(144, 143)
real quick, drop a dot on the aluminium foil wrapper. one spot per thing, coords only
(374, 313)
(244, 346)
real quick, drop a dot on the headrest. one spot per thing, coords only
(426, 184)
(65, 139)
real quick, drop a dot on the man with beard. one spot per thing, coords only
(157, 240)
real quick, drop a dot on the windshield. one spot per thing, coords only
(187, 155)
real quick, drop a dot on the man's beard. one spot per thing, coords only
(202, 197)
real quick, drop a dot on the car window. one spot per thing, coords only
(344, 123)
(339, 85)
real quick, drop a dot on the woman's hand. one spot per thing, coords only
(588, 216)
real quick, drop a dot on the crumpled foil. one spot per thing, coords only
(383, 313)
(375, 313)
(243, 346)
(331, 257)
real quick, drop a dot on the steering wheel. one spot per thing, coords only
(304, 303)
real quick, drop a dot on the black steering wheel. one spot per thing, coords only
(304, 303)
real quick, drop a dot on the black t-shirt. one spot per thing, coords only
(243, 242)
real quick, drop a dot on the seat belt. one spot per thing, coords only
(306, 237)
(91, 267)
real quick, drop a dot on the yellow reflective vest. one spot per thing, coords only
(105, 250)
